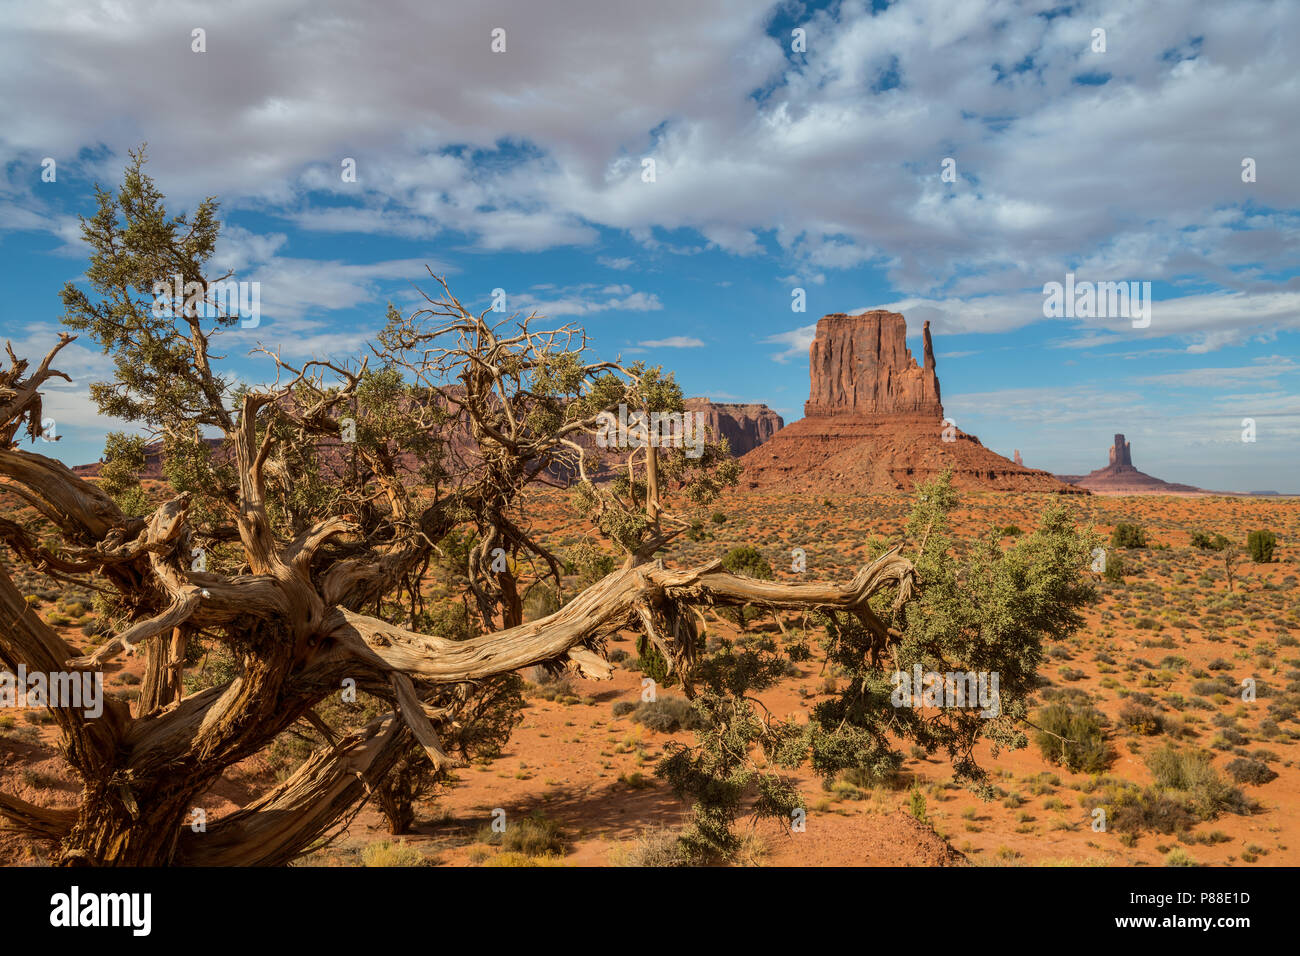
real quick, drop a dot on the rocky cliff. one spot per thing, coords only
(861, 365)
(874, 422)
(744, 426)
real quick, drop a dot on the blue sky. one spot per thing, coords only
(775, 169)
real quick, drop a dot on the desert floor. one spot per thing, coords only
(1161, 637)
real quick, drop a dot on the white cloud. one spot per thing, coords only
(796, 342)
(584, 299)
(537, 147)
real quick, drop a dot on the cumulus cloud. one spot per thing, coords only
(796, 342)
(826, 161)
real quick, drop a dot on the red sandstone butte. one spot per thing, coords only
(744, 426)
(874, 421)
(1121, 478)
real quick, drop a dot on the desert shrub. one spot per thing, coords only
(489, 712)
(622, 708)
(449, 619)
(1135, 811)
(1135, 718)
(1128, 536)
(658, 847)
(749, 561)
(95, 628)
(983, 607)
(1072, 733)
(667, 714)
(883, 773)
(1179, 857)
(552, 686)
(718, 517)
(1205, 542)
(590, 565)
(217, 666)
(534, 835)
(1208, 688)
(916, 805)
(1114, 570)
(512, 859)
(1261, 545)
(1192, 773)
(1249, 770)
(798, 651)
(389, 853)
(540, 600)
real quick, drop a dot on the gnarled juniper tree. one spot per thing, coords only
(306, 522)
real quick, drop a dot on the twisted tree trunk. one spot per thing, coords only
(293, 618)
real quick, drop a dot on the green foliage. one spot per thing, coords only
(688, 482)
(986, 610)
(749, 561)
(652, 663)
(159, 379)
(589, 564)
(916, 805)
(1206, 542)
(1115, 568)
(1128, 536)
(124, 459)
(1261, 545)
(719, 774)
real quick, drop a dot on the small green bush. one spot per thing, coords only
(1128, 536)
(1205, 542)
(1072, 733)
(1261, 545)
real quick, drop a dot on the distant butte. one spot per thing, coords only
(1121, 478)
(873, 422)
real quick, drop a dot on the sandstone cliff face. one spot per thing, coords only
(861, 365)
(744, 426)
(1121, 453)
